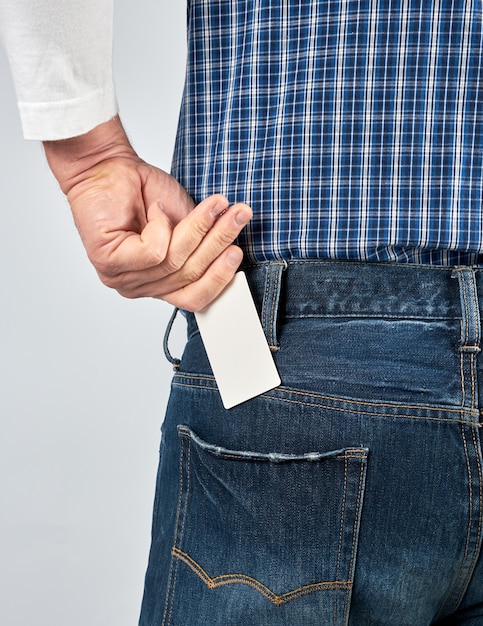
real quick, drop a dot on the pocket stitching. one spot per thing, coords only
(359, 454)
(266, 592)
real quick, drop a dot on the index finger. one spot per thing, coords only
(122, 252)
(191, 231)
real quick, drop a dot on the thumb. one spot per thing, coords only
(141, 251)
(156, 235)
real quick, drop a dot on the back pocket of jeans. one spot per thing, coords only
(269, 529)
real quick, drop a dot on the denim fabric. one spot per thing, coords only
(351, 494)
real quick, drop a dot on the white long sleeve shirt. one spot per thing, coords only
(60, 54)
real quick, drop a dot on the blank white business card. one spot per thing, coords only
(236, 345)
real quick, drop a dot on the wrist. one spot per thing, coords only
(70, 159)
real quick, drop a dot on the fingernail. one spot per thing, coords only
(233, 258)
(242, 218)
(219, 209)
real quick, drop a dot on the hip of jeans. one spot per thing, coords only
(389, 335)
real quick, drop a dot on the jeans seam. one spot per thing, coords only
(444, 268)
(375, 404)
(178, 534)
(357, 412)
(342, 520)
(354, 537)
(446, 610)
(275, 302)
(264, 302)
(341, 537)
(480, 491)
(473, 381)
(480, 519)
(456, 410)
(325, 397)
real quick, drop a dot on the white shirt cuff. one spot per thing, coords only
(68, 118)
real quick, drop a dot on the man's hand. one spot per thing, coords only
(140, 228)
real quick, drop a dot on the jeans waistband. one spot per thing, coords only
(345, 289)
(353, 289)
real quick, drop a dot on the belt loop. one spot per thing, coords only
(271, 300)
(470, 327)
(174, 361)
(469, 337)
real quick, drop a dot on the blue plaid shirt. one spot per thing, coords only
(352, 127)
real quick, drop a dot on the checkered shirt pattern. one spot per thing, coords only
(352, 127)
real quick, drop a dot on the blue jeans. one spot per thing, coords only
(351, 494)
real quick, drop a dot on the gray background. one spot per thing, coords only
(83, 381)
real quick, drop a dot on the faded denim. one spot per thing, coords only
(351, 494)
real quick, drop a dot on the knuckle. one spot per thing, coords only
(102, 265)
(153, 256)
(132, 291)
(224, 238)
(130, 295)
(115, 282)
(108, 281)
(193, 274)
(173, 263)
(121, 283)
(221, 279)
(199, 229)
